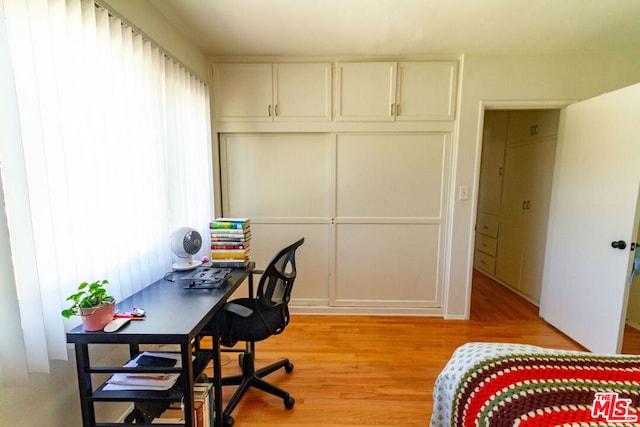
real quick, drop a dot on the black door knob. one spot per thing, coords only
(620, 244)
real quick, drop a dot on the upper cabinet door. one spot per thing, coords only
(366, 91)
(302, 92)
(242, 92)
(426, 91)
(402, 91)
(530, 125)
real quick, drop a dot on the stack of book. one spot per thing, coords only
(230, 239)
(203, 410)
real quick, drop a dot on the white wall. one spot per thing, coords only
(521, 81)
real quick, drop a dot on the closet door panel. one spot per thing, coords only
(391, 194)
(511, 230)
(311, 286)
(283, 182)
(387, 265)
(277, 175)
(391, 175)
(541, 179)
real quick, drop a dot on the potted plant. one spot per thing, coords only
(93, 304)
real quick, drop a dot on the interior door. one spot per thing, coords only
(594, 203)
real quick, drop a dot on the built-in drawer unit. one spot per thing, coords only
(486, 244)
(484, 262)
(487, 225)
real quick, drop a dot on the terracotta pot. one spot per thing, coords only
(95, 319)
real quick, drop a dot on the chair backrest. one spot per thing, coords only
(276, 283)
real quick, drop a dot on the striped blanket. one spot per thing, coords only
(490, 384)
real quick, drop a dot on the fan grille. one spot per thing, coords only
(192, 242)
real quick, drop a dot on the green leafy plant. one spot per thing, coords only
(88, 296)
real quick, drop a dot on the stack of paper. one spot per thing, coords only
(144, 381)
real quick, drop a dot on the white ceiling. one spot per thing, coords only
(405, 27)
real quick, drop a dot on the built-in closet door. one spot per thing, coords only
(372, 206)
(283, 183)
(391, 203)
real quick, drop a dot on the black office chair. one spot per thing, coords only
(255, 319)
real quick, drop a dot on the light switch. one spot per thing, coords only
(464, 193)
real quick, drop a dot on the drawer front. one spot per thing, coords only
(485, 262)
(487, 225)
(486, 244)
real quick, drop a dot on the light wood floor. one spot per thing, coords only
(380, 371)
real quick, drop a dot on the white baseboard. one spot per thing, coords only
(634, 325)
(366, 311)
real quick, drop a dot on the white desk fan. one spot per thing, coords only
(185, 243)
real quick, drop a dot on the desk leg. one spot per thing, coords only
(84, 383)
(187, 384)
(217, 381)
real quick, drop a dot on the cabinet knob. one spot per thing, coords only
(620, 244)
(269, 110)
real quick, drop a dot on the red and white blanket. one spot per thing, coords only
(491, 384)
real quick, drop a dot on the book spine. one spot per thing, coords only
(229, 255)
(226, 246)
(230, 263)
(226, 225)
(228, 230)
(229, 233)
(224, 219)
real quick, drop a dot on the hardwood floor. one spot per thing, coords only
(366, 371)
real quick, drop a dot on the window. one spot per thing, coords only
(112, 154)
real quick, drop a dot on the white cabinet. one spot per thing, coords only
(242, 92)
(490, 190)
(372, 206)
(524, 215)
(513, 200)
(395, 91)
(492, 166)
(486, 243)
(530, 125)
(272, 92)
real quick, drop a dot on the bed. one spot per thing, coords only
(494, 384)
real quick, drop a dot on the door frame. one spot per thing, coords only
(484, 105)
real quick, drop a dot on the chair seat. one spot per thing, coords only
(258, 326)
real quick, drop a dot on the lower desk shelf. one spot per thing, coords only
(176, 393)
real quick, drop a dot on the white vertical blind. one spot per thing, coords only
(114, 154)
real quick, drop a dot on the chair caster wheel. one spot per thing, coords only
(288, 368)
(228, 421)
(289, 402)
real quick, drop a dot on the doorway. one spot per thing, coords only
(490, 193)
(518, 153)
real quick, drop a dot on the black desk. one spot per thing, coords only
(174, 315)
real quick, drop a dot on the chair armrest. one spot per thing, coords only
(238, 309)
